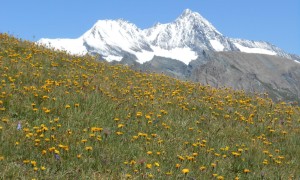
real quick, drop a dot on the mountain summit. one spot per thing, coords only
(183, 39)
(188, 30)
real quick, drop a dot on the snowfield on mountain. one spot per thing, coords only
(183, 39)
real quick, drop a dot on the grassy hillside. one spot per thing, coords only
(68, 117)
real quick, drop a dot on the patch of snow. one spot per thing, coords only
(216, 45)
(254, 50)
(144, 56)
(72, 46)
(297, 61)
(110, 58)
(185, 55)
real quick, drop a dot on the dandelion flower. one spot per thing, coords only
(44, 152)
(84, 140)
(185, 171)
(119, 133)
(148, 166)
(169, 173)
(202, 168)
(33, 163)
(88, 148)
(213, 165)
(220, 178)
(35, 169)
(120, 125)
(246, 171)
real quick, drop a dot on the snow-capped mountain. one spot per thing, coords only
(183, 40)
(188, 30)
(111, 39)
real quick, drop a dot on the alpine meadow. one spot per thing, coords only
(64, 116)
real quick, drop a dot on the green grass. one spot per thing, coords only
(83, 119)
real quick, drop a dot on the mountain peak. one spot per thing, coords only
(187, 12)
(190, 14)
(190, 17)
(113, 23)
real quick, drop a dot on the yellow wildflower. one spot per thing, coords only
(119, 133)
(220, 178)
(213, 165)
(88, 148)
(33, 163)
(44, 152)
(185, 171)
(67, 106)
(169, 173)
(149, 166)
(246, 171)
(202, 168)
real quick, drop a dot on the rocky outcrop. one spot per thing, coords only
(278, 76)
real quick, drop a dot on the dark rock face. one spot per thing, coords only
(253, 73)
(167, 66)
(278, 76)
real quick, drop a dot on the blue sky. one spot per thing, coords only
(275, 21)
